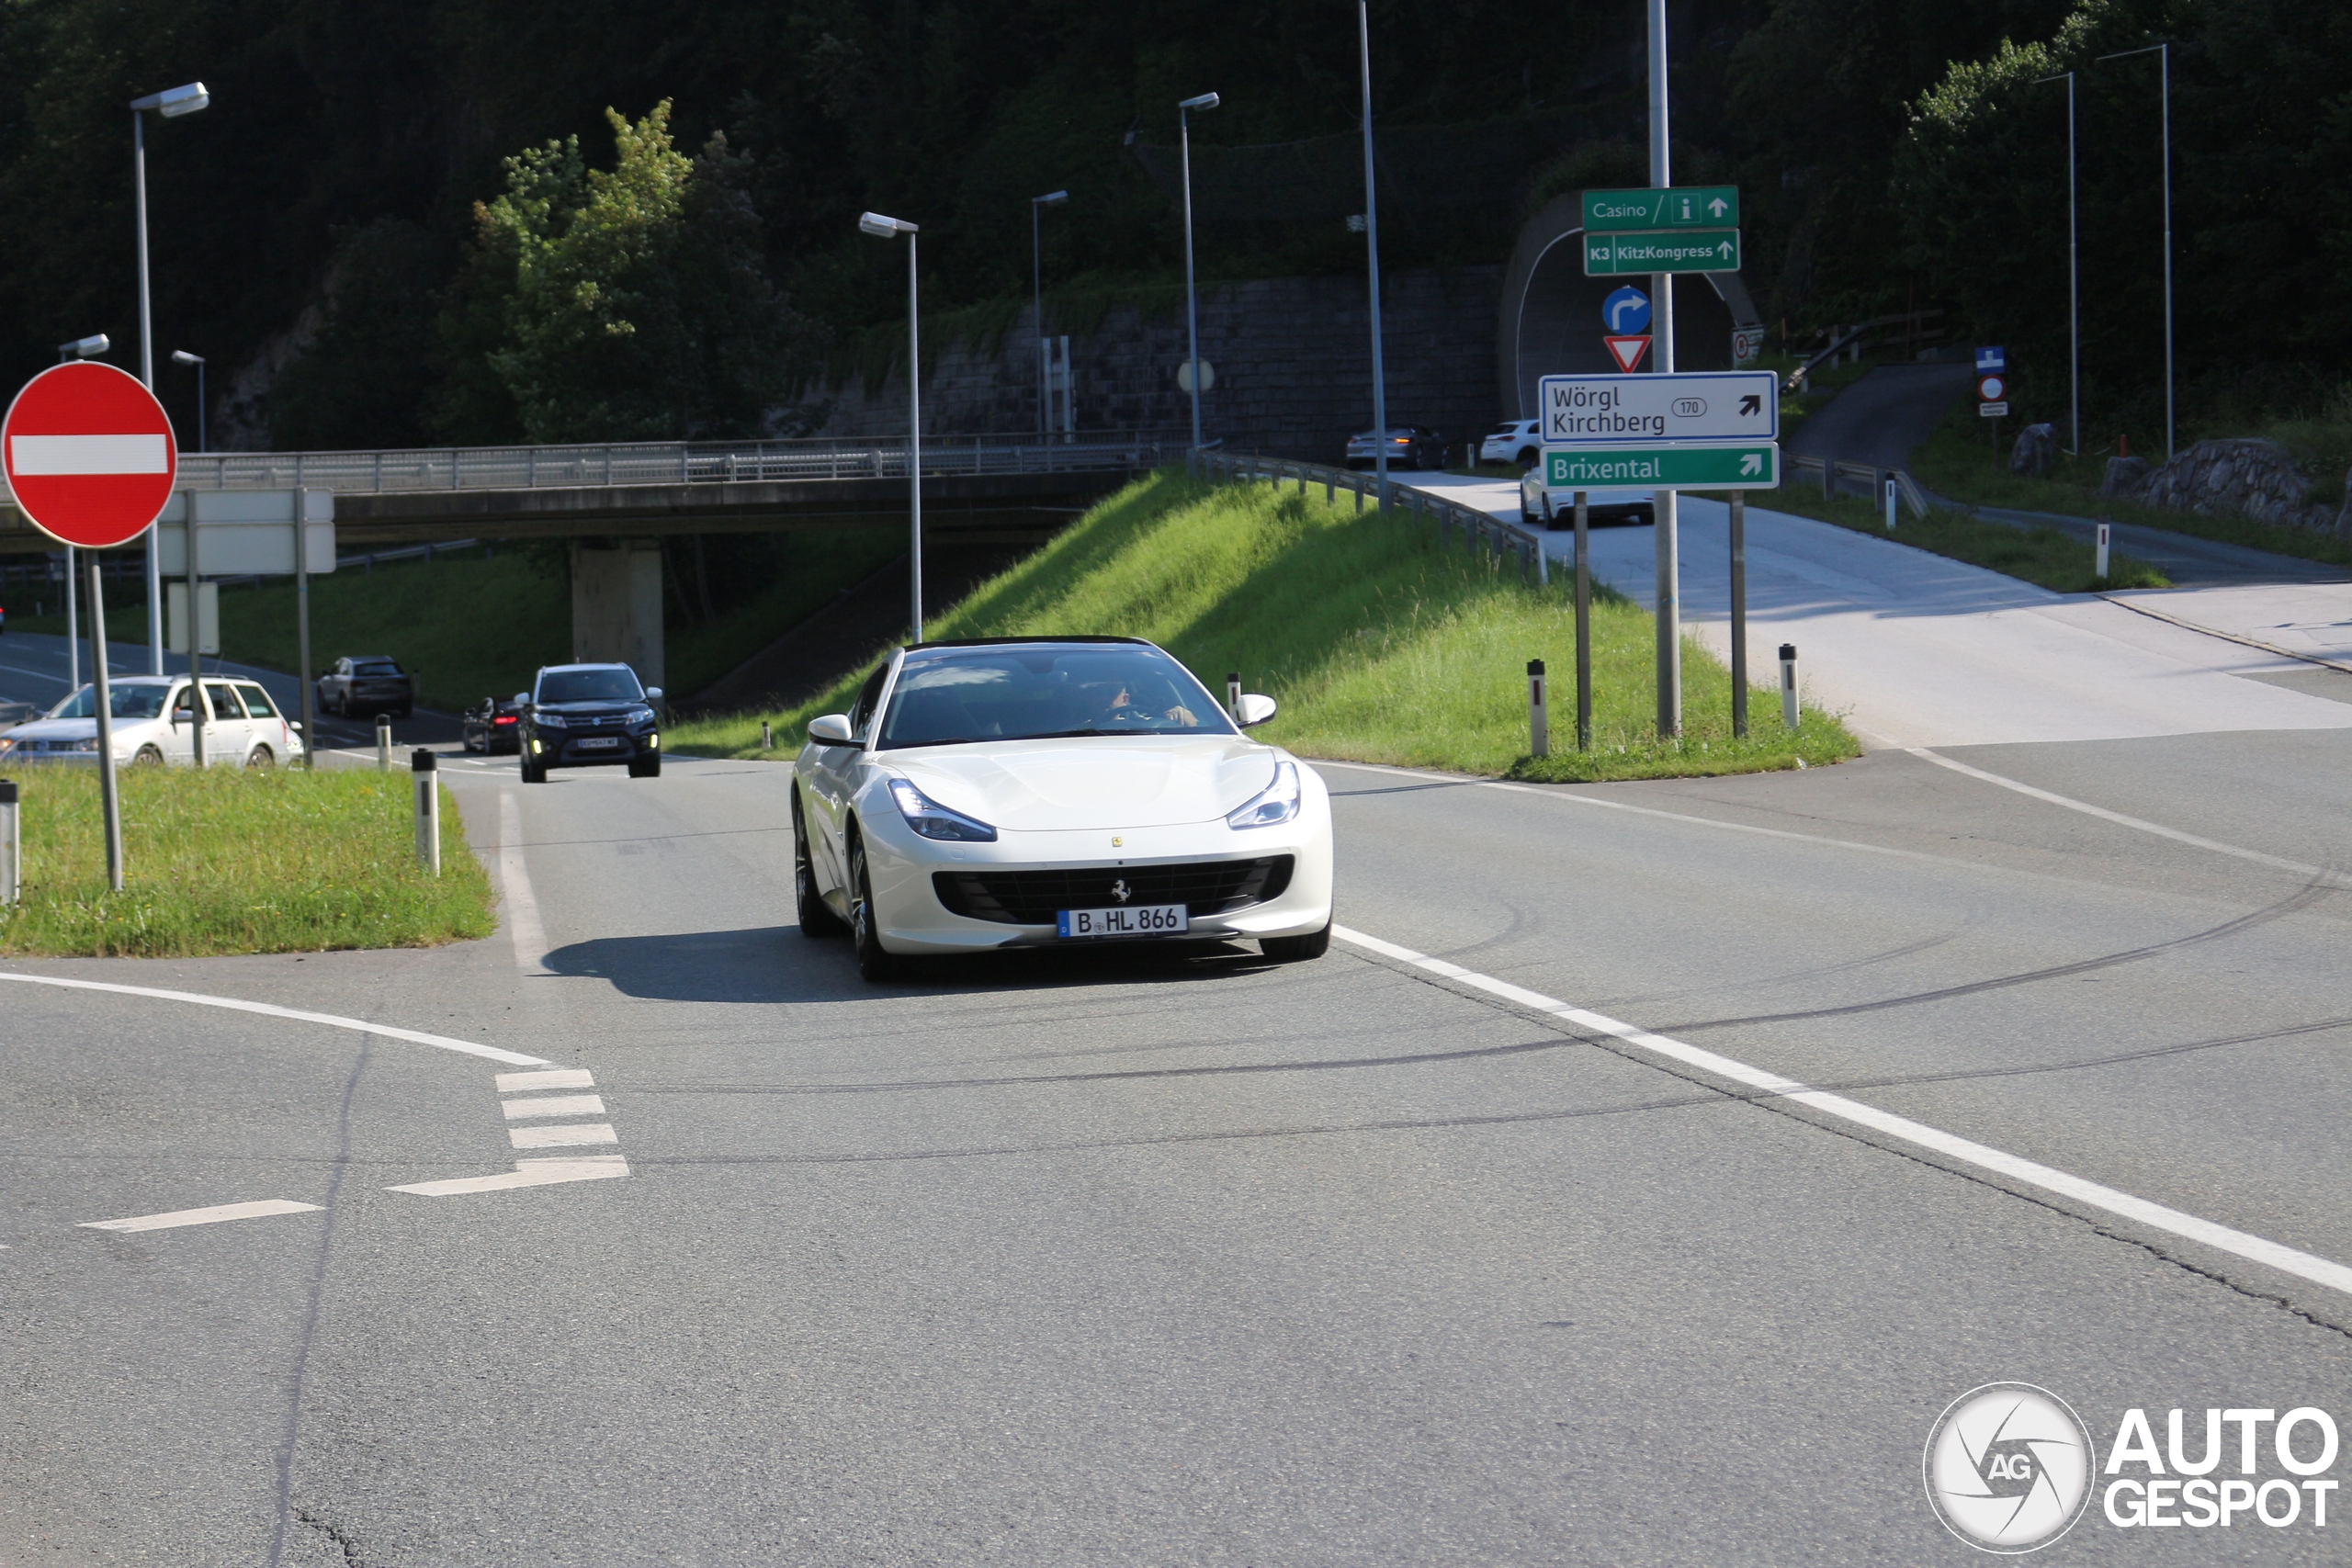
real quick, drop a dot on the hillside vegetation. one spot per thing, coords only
(1379, 646)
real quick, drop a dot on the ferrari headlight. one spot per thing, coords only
(1278, 802)
(932, 820)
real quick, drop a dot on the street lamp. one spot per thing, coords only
(1037, 305)
(883, 228)
(2074, 288)
(1184, 109)
(2164, 56)
(171, 103)
(1372, 254)
(83, 347)
(182, 356)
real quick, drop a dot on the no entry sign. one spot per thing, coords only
(90, 454)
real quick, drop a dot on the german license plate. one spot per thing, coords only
(1136, 920)
(600, 743)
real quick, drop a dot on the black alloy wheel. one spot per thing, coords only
(817, 918)
(1297, 949)
(873, 961)
(533, 772)
(645, 768)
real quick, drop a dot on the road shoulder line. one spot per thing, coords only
(2156, 1216)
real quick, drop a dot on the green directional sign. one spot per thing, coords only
(1681, 206)
(1753, 465)
(1662, 250)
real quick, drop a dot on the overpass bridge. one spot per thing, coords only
(616, 499)
(975, 487)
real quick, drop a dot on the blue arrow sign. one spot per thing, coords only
(1627, 310)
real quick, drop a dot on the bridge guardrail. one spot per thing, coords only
(1478, 528)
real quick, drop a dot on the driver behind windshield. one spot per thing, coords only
(1118, 705)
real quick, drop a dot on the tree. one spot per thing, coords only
(629, 303)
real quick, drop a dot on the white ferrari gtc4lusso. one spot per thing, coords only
(1040, 792)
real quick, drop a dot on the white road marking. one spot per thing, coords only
(554, 1078)
(561, 1137)
(522, 926)
(558, 1105)
(213, 1215)
(2299, 868)
(267, 1010)
(2259, 1249)
(526, 1173)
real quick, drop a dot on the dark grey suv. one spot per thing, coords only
(589, 716)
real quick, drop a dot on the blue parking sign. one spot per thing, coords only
(1989, 359)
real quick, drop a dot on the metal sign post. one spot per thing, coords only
(1739, 615)
(1584, 628)
(104, 693)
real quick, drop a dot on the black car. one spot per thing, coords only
(1409, 446)
(367, 682)
(589, 716)
(493, 725)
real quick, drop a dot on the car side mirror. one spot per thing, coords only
(522, 699)
(831, 729)
(653, 694)
(1255, 710)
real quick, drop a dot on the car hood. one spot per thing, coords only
(1091, 781)
(62, 728)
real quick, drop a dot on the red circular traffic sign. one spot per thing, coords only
(1991, 388)
(89, 454)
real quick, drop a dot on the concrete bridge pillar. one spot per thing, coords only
(617, 607)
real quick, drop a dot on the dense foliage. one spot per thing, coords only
(411, 220)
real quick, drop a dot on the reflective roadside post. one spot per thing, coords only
(7, 843)
(1539, 722)
(425, 770)
(1233, 695)
(383, 743)
(1789, 684)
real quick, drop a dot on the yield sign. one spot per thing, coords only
(89, 454)
(1628, 350)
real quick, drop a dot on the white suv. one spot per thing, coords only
(153, 724)
(1521, 442)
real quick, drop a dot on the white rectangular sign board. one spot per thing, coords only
(1698, 405)
(247, 533)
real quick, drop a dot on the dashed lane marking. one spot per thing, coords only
(213, 1215)
(268, 1009)
(556, 1105)
(1963, 1151)
(561, 1137)
(553, 1078)
(526, 1173)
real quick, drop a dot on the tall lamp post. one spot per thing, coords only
(1372, 254)
(1185, 109)
(1037, 308)
(182, 356)
(1662, 504)
(171, 103)
(2074, 275)
(2163, 52)
(883, 228)
(80, 348)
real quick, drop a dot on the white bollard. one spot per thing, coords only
(1890, 503)
(424, 770)
(1233, 695)
(7, 843)
(2102, 552)
(383, 743)
(767, 737)
(1789, 684)
(1539, 719)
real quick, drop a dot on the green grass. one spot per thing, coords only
(224, 861)
(1379, 646)
(469, 626)
(1960, 460)
(2040, 554)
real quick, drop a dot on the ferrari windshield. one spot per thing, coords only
(1031, 690)
(126, 699)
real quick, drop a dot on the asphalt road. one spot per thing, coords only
(1161, 1258)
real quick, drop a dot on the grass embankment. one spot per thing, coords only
(471, 624)
(1379, 646)
(225, 860)
(1960, 460)
(2038, 555)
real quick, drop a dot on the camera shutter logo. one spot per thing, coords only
(2008, 1467)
